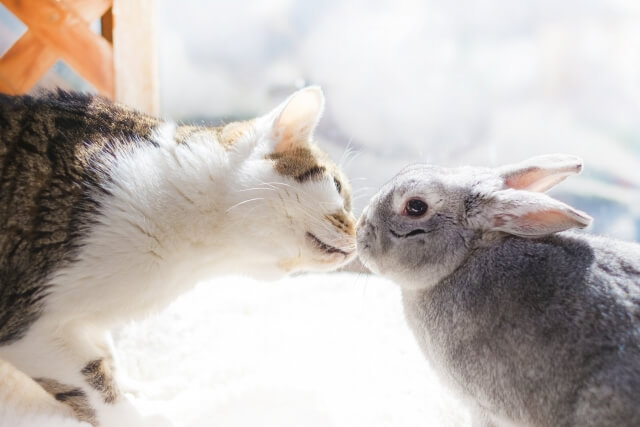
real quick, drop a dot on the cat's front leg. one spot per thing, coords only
(74, 364)
(90, 396)
(24, 402)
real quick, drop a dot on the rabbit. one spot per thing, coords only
(528, 322)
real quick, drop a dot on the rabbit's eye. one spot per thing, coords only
(415, 208)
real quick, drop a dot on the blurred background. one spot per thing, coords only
(459, 82)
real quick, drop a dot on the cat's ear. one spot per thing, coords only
(295, 120)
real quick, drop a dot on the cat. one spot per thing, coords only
(109, 214)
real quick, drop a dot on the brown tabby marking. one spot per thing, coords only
(48, 174)
(300, 163)
(342, 222)
(99, 375)
(306, 162)
(74, 397)
(230, 133)
(185, 132)
(226, 135)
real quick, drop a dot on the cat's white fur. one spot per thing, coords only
(177, 214)
(24, 403)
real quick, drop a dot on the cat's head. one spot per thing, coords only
(292, 202)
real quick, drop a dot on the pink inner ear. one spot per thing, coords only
(290, 137)
(537, 223)
(285, 142)
(297, 120)
(535, 180)
(521, 180)
(547, 218)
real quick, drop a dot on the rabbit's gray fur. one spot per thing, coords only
(540, 330)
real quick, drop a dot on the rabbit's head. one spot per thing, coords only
(422, 224)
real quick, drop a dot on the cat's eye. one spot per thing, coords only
(415, 208)
(337, 184)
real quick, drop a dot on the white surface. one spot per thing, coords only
(315, 350)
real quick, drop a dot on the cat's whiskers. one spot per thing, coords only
(326, 227)
(346, 152)
(311, 217)
(244, 202)
(257, 189)
(363, 190)
(359, 196)
(272, 187)
(274, 184)
(314, 221)
(301, 194)
(349, 154)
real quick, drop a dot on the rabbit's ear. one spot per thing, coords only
(529, 214)
(540, 173)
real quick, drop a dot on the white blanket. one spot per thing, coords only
(313, 350)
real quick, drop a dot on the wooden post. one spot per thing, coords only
(56, 29)
(135, 54)
(106, 25)
(122, 64)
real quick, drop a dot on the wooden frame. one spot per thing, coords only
(120, 64)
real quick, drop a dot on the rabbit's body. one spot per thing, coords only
(529, 327)
(545, 339)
